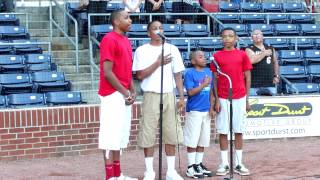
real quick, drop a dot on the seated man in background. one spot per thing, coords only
(265, 72)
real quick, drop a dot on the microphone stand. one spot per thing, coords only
(231, 128)
(161, 107)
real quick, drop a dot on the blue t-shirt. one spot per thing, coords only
(192, 79)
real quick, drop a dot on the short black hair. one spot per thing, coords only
(194, 53)
(115, 15)
(150, 24)
(228, 28)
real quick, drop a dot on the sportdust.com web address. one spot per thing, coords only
(285, 131)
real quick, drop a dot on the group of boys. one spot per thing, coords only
(207, 94)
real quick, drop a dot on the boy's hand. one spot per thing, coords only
(248, 107)
(180, 104)
(212, 113)
(207, 81)
(217, 106)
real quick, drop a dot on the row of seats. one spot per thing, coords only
(25, 47)
(264, 18)
(13, 32)
(9, 20)
(295, 73)
(305, 57)
(302, 88)
(262, 7)
(43, 81)
(28, 100)
(276, 29)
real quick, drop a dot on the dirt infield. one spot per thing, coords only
(280, 159)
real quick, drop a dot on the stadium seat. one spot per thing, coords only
(317, 43)
(250, 7)
(111, 6)
(195, 30)
(293, 7)
(271, 7)
(13, 32)
(37, 58)
(228, 18)
(302, 18)
(39, 67)
(11, 64)
(63, 98)
(310, 29)
(229, 7)
(142, 42)
(303, 88)
(3, 102)
(15, 83)
(290, 57)
(302, 43)
(286, 29)
(277, 18)
(210, 44)
(252, 18)
(266, 29)
(98, 31)
(50, 81)
(5, 49)
(183, 44)
(9, 20)
(25, 100)
(138, 31)
(314, 72)
(294, 73)
(278, 43)
(172, 30)
(244, 43)
(311, 56)
(241, 29)
(186, 60)
(26, 47)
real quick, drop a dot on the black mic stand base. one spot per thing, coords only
(229, 178)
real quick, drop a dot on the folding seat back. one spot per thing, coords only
(314, 72)
(37, 58)
(302, 18)
(244, 43)
(25, 100)
(50, 81)
(98, 31)
(293, 7)
(195, 30)
(310, 29)
(63, 98)
(252, 18)
(8, 20)
(15, 83)
(183, 44)
(138, 31)
(271, 7)
(39, 67)
(11, 64)
(303, 88)
(5, 49)
(302, 43)
(292, 57)
(210, 44)
(312, 56)
(228, 18)
(277, 18)
(278, 43)
(250, 7)
(26, 47)
(172, 30)
(111, 6)
(241, 29)
(294, 73)
(229, 7)
(186, 59)
(13, 32)
(286, 29)
(266, 29)
(3, 102)
(14, 78)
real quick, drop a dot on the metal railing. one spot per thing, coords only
(75, 42)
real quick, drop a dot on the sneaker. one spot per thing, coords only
(194, 171)
(173, 175)
(123, 177)
(204, 170)
(242, 170)
(149, 175)
(223, 170)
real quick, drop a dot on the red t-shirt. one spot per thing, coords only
(233, 63)
(116, 48)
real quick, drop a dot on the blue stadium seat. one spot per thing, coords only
(5, 49)
(229, 7)
(271, 7)
(278, 43)
(63, 98)
(182, 44)
(143, 41)
(310, 29)
(98, 31)
(37, 58)
(39, 67)
(168, 6)
(311, 56)
(302, 43)
(303, 88)
(25, 100)
(277, 18)
(250, 7)
(244, 43)
(266, 29)
(210, 44)
(241, 29)
(3, 102)
(252, 18)
(302, 18)
(172, 30)
(293, 7)
(294, 73)
(27, 47)
(286, 29)
(9, 20)
(50, 81)
(11, 64)
(290, 57)
(15, 83)
(138, 31)
(13, 32)
(314, 72)
(228, 18)
(195, 30)
(186, 60)
(111, 6)
(317, 43)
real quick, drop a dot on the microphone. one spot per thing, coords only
(160, 34)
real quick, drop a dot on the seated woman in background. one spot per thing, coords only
(183, 6)
(133, 6)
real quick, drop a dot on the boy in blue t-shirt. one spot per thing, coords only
(197, 81)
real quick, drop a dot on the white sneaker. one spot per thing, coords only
(173, 175)
(242, 170)
(222, 170)
(149, 175)
(123, 177)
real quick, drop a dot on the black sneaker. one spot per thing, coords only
(204, 170)
(194, 172)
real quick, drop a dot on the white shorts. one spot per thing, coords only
(197, 129)
(239, 116)
(115, 122)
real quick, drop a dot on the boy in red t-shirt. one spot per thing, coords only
(236, 64)
(116, 92)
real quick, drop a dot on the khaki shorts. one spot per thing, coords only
(171, 131)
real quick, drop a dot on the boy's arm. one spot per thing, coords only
(247, 75)
(142, 74)
(179, 84)
(196, 90)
